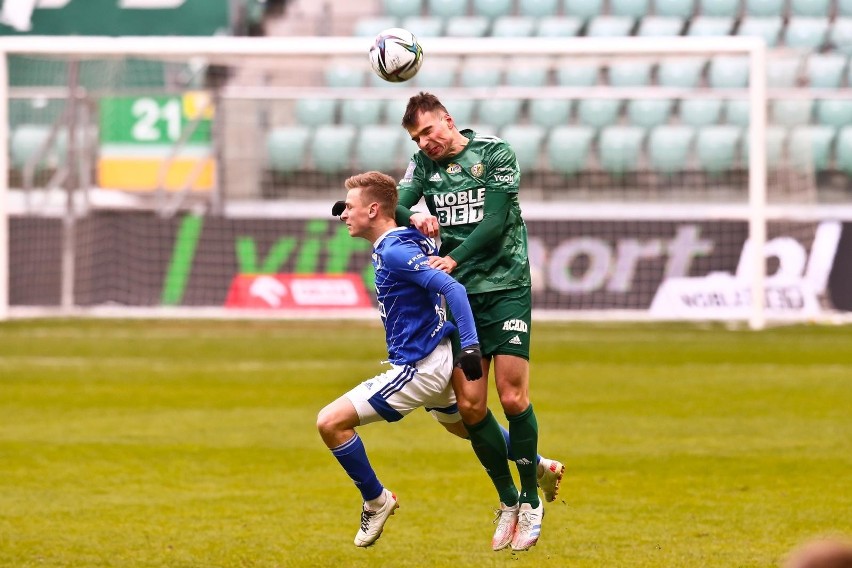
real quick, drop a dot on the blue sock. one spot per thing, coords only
(509, 445)
(353, 457)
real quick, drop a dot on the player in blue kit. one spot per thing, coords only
(409, 294)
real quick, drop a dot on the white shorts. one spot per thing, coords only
(395, 393)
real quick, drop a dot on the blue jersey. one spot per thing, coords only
(409, 294)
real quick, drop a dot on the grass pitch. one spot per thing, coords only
(193, 444)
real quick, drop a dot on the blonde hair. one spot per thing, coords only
(378, 187)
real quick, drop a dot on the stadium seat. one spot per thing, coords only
(834, 112)
(669, 147)
(526, 140)
(483, 129)
(843, 153)
(467, 26)
(498, 112)
(610, 26)
(550, 112)
(447, 8)
(840, 35)
(360, 112)
(47, 73)
(598, 112)
(568, 148)
(811, 146)
(629, 8)
(481, 72)
(629, 73)
(720, 8)
(790, 112)
(806, 33)
(345, 74)
(706, 26)
(620, 148)
(767, 27)
(378, 147)
(286, 148)
(680, 72)
(810, 8)
(728, 72)
(29, 139)
(559, 27)
(439, 74)
(575, 73)
(649, 112)
(314, 112)
(492, 8)
(513, 26)
(765, 8)
(461, 110)
(402, 8)
(825, 70)
(782, 72)
(370, 26)
(527, 72)
(393, 109)
(776, 142)
(675, 8)
(700, 112)
(424, 26)
(717, 147)
(737, 112)
(583, 9)
(538, 8)
(35, 111)
(331, 148)
(660, 26)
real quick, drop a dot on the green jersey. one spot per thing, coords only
(455, 191)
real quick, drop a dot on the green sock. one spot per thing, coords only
(523, 435)
(490, 447)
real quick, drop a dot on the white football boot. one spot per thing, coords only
(372, 522)
(550, 474)
(506, 519)
(529, 526)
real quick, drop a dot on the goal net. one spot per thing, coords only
(661, 178)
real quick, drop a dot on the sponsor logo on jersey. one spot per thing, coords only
(515, 325)
(505, 178)
(435, 177)
(476, 170)
(516, 341)
(454, 168)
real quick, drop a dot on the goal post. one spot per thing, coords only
(259, 73)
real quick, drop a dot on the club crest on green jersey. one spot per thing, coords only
(454, 168)
(476, 170)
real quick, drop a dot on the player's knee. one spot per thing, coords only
(326, 422)
(514, 401)
(472, 411)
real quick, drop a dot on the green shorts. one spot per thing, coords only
(503, 320)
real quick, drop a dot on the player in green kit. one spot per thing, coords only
(470, 183)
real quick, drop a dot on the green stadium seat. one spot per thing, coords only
(630, 8)
(393, 109)
(331, 148)
(843, 152)
(402, 8)
(346, 74)
(481, 72)
(675, 8)
(550, 112)
(825, 70)
(370, 26)
(806, 33)
(811, 147)
(728, 72)
(782, 72)
(361, 112)
(790, 112)
(717, 147)
(439, 74)
(574, 73)
(538, 8)
(720, 8)
(29, 140)
(424, 26)
(598, 112)
(583, 9)
(499, 112)
(513, 26)
(765, 8)
(680, 72)
(810, 8)
(630, 73)
(559, 27)
(527, 72)
(834, 112)
(767, 27)
(568, 148)
(286, 148)
(492, 8)
(461, 110)
(660, 26)
(526, 141)
(314, 112)
(447, 8)
(620, 148)
(649, 113)
(840, 35)
(776, 142)
(46, 73)
(467, 26)
(738, 112)
(669, 147)
(610, 26)
(709, 26)
(379, 147)
(700, 112)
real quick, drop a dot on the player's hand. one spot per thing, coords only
(470, 361)
(443, 263)
(426, 224)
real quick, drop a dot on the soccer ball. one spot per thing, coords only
(396, 55)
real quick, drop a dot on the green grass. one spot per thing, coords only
(193, 444)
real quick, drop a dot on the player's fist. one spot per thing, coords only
(470, 361)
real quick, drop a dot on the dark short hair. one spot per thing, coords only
(377, 187)
(421, 102)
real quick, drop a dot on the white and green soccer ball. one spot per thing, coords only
(396, 55)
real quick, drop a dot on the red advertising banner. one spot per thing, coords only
(297, 291)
